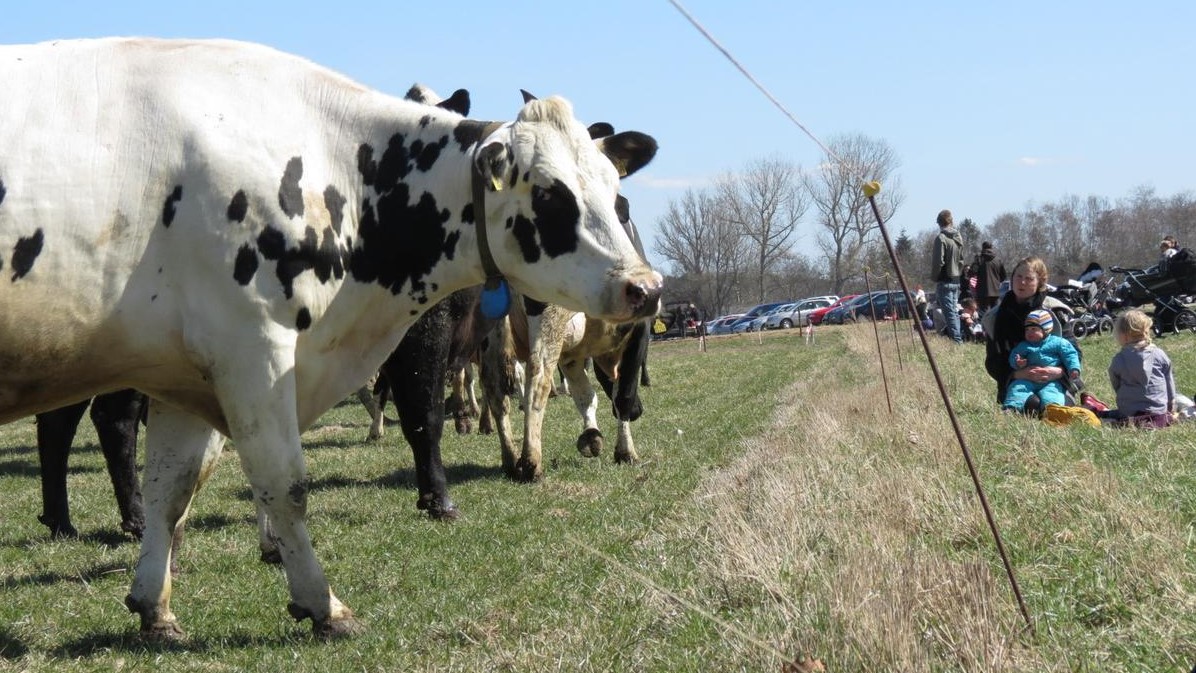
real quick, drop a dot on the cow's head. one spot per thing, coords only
(553, 229)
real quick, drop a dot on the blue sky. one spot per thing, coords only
(989, 106)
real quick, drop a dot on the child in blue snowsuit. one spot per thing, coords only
(1041, 349)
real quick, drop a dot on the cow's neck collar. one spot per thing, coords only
(496, 294)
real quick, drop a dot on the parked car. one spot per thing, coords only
(884, 305)
(755, 312)
(721, 324)
(796, 314)
(838, 315)
(774, 318)
(815, 317)
(757, 324)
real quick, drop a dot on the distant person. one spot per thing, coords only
(1163, 312)
(920, 304)
(990, 271)
(969, 320)
(1140, 374)
(946, 267)
(1041, 348)
(1004, 326)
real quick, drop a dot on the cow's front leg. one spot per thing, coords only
(545, 352)
(261, 408)
(625, 447)
(585, 398)
(181, 451)
(497, 371)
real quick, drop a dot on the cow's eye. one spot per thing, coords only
(543, 194)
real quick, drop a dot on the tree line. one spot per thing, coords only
(733, 244)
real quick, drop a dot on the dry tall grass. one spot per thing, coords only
(857, 535)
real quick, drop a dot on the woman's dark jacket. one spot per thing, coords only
(1004, 328)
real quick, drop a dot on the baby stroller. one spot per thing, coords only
(1170, 289)
(1088, 300)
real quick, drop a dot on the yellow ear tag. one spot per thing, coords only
(495, 184)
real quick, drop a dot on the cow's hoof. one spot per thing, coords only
(589, 443)
(440, 509)
(526, 472)
(58, 531)
(155, 629)
(626, 458)
(271, 557)
(134, 527)
(334, 628)
(462, 426)
(337, 629)
(163, 633)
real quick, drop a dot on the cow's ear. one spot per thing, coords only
(527, 97)
(600, 130)
(493, 165)
(458, 102)
(629, 151)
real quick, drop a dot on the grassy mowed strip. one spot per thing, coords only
(779, 508)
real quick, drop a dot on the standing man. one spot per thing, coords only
(946, 265)
(990, 273)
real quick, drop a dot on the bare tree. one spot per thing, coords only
(766, 203)
(703, 247)
(843, 211)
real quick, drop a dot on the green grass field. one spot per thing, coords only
(779, 510)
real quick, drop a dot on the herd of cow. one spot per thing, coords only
(245, 238)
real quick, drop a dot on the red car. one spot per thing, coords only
(815, 316)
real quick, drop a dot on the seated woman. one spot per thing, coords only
(1004, 326)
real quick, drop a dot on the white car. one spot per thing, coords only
(796, 314)
(721, 324)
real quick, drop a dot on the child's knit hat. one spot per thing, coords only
(1040, 318)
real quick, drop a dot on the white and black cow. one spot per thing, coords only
(245, 236)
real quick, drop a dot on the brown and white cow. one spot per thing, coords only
(245, 236)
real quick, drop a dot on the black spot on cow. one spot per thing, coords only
(246, 265)
(25, 253)
(238, 207)
(557, 218)
(401, 157)
(366, 166)
(427, 157)
(303, 319)
(324, 259)
(424, 121)
(335, 203)
(468, 133)
(527, 176)
(3, 191)
(525, 235)
(290, 195)
(401, 241)
(467, 212)
(168, 210)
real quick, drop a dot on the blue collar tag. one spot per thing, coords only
(496, 301)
